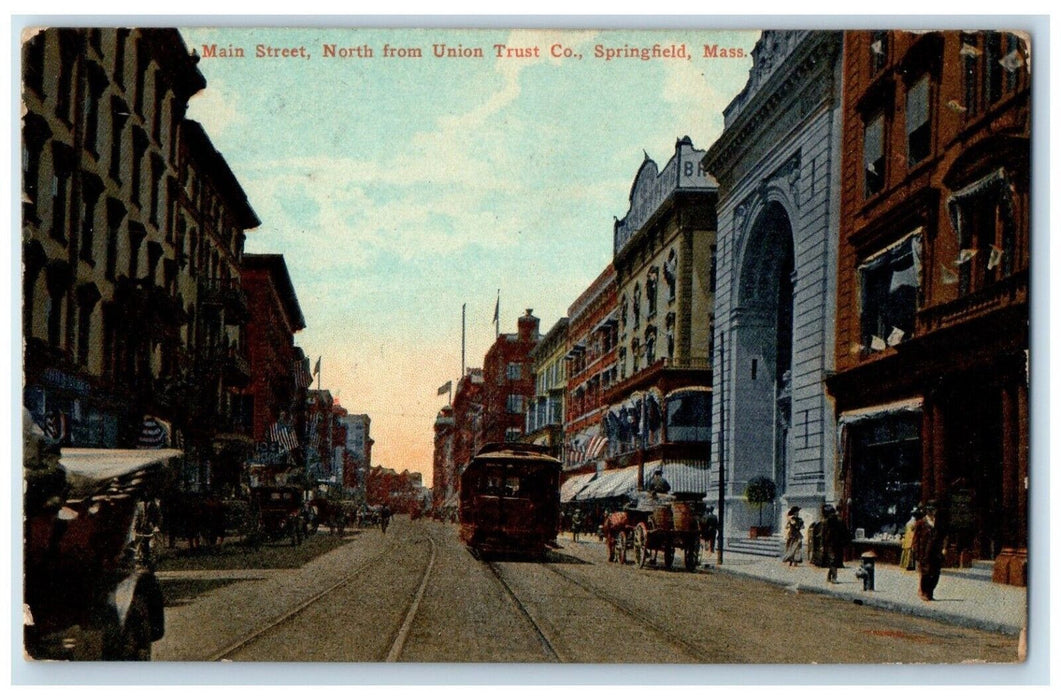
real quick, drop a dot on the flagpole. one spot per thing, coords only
(463, 309)
(497, 315)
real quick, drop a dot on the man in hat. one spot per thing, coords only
(657, 484)
(834, 538)
(928, 552)
(709, 528)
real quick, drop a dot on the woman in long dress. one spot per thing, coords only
(793, 538)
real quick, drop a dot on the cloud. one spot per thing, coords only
(217, 109)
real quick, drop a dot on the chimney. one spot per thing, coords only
(528, 327)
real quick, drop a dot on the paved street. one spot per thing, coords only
(416, 594)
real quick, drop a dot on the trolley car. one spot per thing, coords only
(510, 500)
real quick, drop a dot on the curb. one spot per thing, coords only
(895, 606)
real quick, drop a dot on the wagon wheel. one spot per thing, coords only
(668, 555)
(622, 547)
(692, 552)
(640, 545)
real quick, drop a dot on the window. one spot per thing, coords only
(918, 131)
(651, 283)
(982, 215)
(994, 66)
(514, 371)
(33, 63)
(60, 202)
(119, 113)
(873, 156)
(878, 51)
(885, 464)
(90, 192)
(514, 404)
(891, 283)
(115, 215)
(637, 305)
(689, 416)
(512, 434)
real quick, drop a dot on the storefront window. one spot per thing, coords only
(885, 460)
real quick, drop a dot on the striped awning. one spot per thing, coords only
(686, 476)
(570, 488)
(610, 484)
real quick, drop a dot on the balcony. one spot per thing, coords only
(1011, 291)
(226, 295)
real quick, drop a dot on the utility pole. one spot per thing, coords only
(721, 446)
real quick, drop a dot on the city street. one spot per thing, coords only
(416, 594)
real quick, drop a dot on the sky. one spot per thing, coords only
(398, 189)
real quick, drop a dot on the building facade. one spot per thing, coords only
(130, 221)
(358, 450)
(931, 385)
(655, 413)
(777, 166)
(508, 382)
(592, 350)
(443, 474)
(545, 411)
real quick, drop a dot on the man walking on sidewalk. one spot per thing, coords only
(928, 550)
(834, 539)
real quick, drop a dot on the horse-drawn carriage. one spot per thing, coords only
(657, 523)
(336, 514)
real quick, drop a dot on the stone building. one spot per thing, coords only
(931, 385)
(545, 411)
(130, 220)
(658, 406)
(777, 163)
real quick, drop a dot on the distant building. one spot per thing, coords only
(931, 385)
(508, 382)
(444, 474)
(592, 352)
(358, 450)
(545, 412)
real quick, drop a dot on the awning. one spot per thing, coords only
(688, 476)
(906, 406)
(86, 467)
(570, 488)
(610, 484)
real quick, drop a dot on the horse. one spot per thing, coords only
(615, 523)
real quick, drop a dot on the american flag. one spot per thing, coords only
(302, 376)
(283, 435)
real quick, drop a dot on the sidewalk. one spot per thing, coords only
(962, 598)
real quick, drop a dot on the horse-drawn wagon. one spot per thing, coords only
(657, 523)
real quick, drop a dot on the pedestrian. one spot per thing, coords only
(576, 524)
(793, 538)
(928, 550)
(384, 518)
(834, 538)
(907, 562)
(709, 528)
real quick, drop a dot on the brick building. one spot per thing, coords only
(276, 394)
(592, 349)
(508, 382)
(931, 385)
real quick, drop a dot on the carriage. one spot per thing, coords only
(657, 523)
(90, 587)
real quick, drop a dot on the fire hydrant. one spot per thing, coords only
(866, 571)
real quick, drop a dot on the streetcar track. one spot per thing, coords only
(250, 638)
(543, 638)
(664, 633)
(595, 592)
(403, 632)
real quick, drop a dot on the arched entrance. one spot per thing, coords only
(762, 330)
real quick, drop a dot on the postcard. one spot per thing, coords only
(740, 321)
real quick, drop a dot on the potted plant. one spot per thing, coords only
(759, 491)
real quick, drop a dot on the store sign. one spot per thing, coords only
(684, 171)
